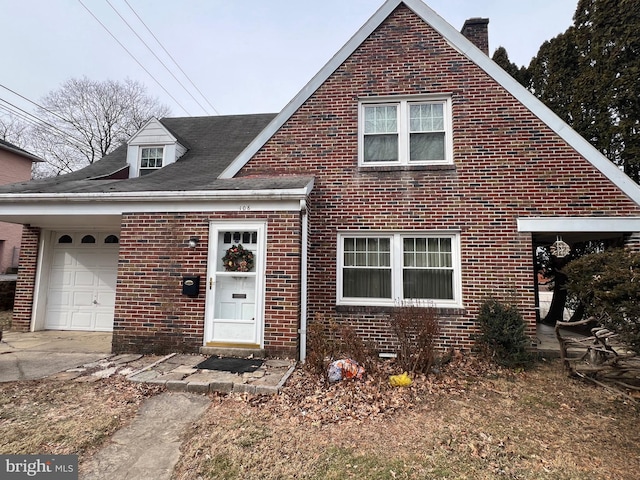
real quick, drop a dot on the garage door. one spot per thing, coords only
(82, 282)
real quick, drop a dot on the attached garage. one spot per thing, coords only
(82, 281)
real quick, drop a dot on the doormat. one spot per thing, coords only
(233, 365)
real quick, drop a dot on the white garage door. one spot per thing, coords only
(82, 282)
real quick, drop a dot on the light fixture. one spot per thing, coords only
(193, 241)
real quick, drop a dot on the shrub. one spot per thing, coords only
(502, 334)
(416, 328)
(607, 284)
(328, 340)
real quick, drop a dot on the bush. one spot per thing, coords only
(502, 334)
(607, 284)
(416, 328)
(329, 340)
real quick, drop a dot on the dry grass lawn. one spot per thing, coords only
(475, 422)
(532, 425)
(54, 417)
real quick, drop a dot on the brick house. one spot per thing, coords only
(410, 167)
(15, 166)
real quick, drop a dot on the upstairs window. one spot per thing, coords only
(405, 132)
(150, 159)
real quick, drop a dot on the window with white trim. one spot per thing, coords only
(151, 159)
(381, 268)
(405, 132)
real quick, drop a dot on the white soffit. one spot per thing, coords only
(578, 224)
(473, 53)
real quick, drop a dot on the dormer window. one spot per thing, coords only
(150, 159)
(151, 148)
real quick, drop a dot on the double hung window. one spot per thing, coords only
(150, 159)
(405, 132)
(378, 269)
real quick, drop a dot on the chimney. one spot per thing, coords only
(477, 31)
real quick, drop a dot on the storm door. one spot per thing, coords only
(235, 285)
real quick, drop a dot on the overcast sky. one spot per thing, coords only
(246, 56)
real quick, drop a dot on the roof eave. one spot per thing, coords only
(22, 153)
(155, 196)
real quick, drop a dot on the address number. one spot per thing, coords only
(245, 208)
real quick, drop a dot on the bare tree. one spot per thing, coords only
(89, 119)
(13, 130)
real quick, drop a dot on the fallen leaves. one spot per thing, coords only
(308, 398)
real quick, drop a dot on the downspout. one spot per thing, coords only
(303, 282)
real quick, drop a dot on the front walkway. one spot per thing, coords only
(86, 357)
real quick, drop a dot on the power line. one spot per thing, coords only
(134, 58)
(29, 117)
(34, 103)
(171, 57)
(133, 30)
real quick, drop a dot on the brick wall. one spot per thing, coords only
(507, 164)
(151, 313)
(23, 300)
(15, 168)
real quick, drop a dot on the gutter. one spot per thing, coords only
(154, 196)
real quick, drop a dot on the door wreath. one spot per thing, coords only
(238, 259)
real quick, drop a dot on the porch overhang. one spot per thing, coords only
(573, 229)
(104, 210)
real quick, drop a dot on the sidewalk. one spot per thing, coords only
(149, 447)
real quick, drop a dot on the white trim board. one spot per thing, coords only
(578, 224)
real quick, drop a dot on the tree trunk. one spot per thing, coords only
(556, 309)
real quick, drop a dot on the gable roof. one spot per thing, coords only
(473, 53)
(155, 125)
(213, 143)
(10, 147)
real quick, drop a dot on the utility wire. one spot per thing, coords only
(133, 30)
(29, 117)
(171, 57)
(36, 104)
(134, 58)
(18, 114)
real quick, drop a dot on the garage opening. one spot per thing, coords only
(81, 287)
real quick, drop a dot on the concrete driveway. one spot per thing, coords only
(32, 355)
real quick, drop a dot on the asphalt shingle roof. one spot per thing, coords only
(212, 142)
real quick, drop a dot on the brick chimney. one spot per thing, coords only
(477, 31)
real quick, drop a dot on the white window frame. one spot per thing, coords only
(151, 169)
(396, 239)
(402, 105)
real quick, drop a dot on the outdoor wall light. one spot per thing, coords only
(193, 241)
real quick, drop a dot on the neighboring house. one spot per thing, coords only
(411, 166)
(15, 166)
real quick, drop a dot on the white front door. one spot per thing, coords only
(82, 282)
(235, 287)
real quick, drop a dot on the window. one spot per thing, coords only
(405, 132)
(150, 159)
(88, 239)
(378, 269)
